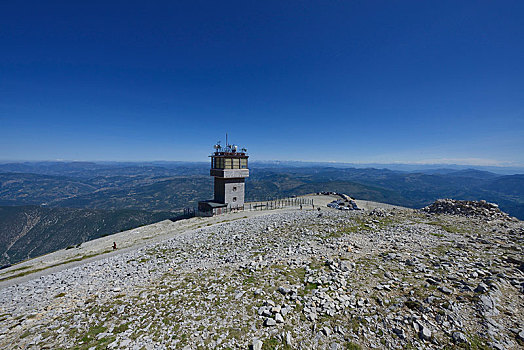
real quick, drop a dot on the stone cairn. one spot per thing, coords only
(481, 209)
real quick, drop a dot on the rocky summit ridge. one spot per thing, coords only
(481, 209)
(383, 278)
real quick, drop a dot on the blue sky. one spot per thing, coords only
(346, 81)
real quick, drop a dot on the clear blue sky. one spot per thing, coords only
(348, 81)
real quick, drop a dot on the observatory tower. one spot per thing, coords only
(229, 168)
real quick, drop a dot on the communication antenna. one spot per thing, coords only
(227, 144)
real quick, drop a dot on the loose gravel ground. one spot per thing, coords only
(386, 278)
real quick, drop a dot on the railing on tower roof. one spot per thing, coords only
(229, 154)
(228, 151)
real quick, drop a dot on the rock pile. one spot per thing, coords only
(379, 212)
(481, 209)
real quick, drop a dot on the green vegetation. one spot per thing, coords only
(352, 346)
(122, 328)
(310, 286)
(25, 334)
(436, 234)
(354, 324)
(475, 342)
(272, 344)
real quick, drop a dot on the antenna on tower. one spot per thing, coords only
(227, 144)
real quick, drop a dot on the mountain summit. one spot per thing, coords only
(384, 277)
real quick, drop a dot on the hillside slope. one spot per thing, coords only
(394, 278)
(29, 231)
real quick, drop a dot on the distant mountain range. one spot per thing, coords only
(76, 201)
(406, 167)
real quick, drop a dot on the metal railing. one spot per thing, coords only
(280, 203)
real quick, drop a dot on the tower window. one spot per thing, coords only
(234, 199)
(234, 188)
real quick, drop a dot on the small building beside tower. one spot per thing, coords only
(229, 167)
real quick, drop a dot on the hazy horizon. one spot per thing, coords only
(409, 167)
